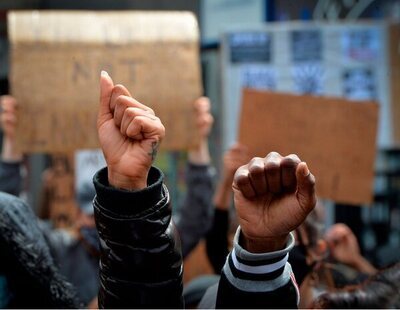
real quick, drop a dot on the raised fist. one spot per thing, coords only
(129, 134)
(273, 196)
(204, 119)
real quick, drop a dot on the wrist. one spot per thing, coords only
(10, 151)
(200, 154)
(362, 265)
(122, 181)
(263, 244)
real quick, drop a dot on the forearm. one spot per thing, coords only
(140, 265)
(223, 194)
(10, 152)
(196, 214)
(200, 155)
(363, 266)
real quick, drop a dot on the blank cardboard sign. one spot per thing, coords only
(56, 59)
(336, 137)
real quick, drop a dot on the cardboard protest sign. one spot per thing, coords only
(394, 63)
(56, 59)
(336, 137)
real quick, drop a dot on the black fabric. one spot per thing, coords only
(196, 214)
(25, 260)
(10, 177)
(140, 262)
(217, 240)
(260, 262)
(120, 199)
(297, 260)
(230, 297)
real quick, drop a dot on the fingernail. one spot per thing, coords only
(306, 171)
(104, 73)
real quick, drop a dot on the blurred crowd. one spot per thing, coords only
(125, 249)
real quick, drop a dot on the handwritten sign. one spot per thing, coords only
(56, 59)
(336, 137)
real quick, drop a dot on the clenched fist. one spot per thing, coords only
(129, 134)
(273, 196)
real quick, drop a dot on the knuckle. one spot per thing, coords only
(256, 166)
(272, 166)
(294, 157)
(241, 175)
(274, 155)
(131, 112)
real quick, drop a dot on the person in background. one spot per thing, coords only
(29, 277)
(217, 243)
(379, 291)
(344, 251)
(141, 262)
(195, 217)
(76, 250)
(11, 158)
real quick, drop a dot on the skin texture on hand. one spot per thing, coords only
(273, 196)
(129, 134)
(204, 120)
(234, 157)
(9, 122)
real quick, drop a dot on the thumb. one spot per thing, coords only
(106, 88)
(305, 187)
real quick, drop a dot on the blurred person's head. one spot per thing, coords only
(60, 164)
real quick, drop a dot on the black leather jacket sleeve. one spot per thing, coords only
(141, 261)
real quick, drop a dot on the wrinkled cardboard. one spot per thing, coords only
(56, 59)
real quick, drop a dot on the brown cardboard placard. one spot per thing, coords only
(56, 59)
(336, 137)
(394, 62)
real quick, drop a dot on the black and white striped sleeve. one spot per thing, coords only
(252, 280)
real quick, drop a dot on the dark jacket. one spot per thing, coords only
(81, 268)
(141, 262)
(71, 257)
(33, 280)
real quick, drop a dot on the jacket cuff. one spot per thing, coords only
(125, 202)
(261, 272)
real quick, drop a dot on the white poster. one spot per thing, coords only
(87, 163)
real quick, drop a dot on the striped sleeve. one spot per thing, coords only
(257, 276)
